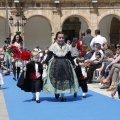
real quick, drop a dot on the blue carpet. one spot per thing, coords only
(95, 106)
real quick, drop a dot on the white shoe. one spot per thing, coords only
(84, 95)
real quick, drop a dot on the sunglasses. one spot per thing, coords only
(118, 47)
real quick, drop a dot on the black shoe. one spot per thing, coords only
(33, 99)
(57, 96)
(118, 96)
(75, 95)
(84, 96)
(63, 99)
(89, 82)
(15, 78)
(38, 101)
(8, 73)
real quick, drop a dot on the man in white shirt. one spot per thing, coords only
(98, 39)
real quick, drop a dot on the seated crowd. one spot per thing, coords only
(99, 56)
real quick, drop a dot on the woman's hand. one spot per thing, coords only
(81, 64)
(24, 69)
(106, 68)
(96, 62)
(44, 66)
(86, 61)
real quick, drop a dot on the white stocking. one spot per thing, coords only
(37, 95)
(84, 94)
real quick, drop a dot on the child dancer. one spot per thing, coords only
(81, 75)
(33, 81)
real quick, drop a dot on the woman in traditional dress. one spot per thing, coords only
(61, 77)
(17, 45)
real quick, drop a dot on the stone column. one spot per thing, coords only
(93, 22)
(52, 37)
(57, 20)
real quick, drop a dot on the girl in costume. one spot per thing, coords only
(61, 77)
(16, 47)
(33, 80)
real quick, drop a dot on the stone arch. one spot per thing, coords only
(66, 16)
(37, 32)
(73, 31)
(105, 22)
(28, 16)
(112, 12)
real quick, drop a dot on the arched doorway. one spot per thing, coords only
(73, 26)
(37, 33)
(110, 28)
(115, 30)
(2, 31)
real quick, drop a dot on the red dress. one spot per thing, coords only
(79, 47)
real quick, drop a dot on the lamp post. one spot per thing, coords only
(18, 24)
(7, 21)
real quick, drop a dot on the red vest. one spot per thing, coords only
(33, 76)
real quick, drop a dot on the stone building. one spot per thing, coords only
(46, 17)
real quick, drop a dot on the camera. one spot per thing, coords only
(7, 41)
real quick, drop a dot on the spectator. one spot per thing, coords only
(7, 52)
(69, 43)
(79, 43)
(1, 50)
(110, 60)
(95, 64)
(1, 54)
(73, 49)
(88, 38)
(98, 39)
(88, 54)
(114, 72)
(107, 51)
(17, 43)
(108, 57)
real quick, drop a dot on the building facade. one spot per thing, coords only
(46, 17)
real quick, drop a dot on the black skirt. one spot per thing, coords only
(36, 85)
(29, 85)
(61, 75)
